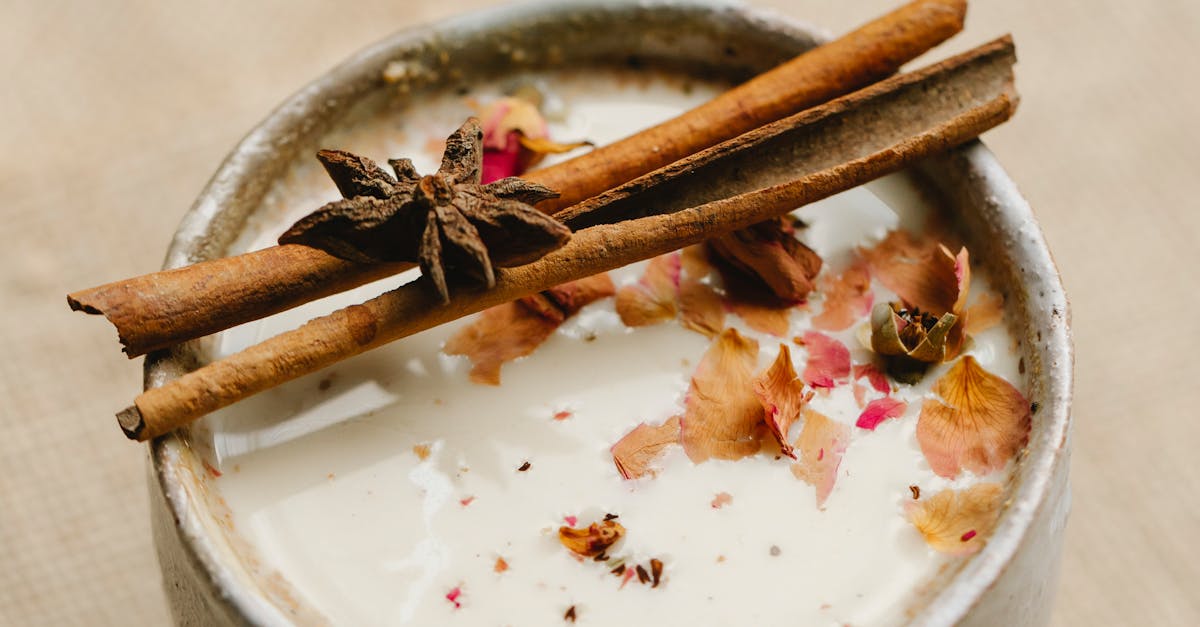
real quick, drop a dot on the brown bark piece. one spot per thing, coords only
(771, 253)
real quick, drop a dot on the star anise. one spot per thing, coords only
(446, 222)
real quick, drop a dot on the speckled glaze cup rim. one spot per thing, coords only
(969, 175)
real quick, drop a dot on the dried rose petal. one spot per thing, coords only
(721, 500)
(848, 297)
(723, 417)
(700, 308)
(770, 251)
(986, 313)
(978, 424)
(575, 295)
(592, 540)
(782, 396)
(515, 137)
(772, 317)
(635, 450)
(860, 393)
(875, 376)
(541, 304)
(822, 443)
(962, 275)
(505, 332)
(879, 410)
(454, 595)
(923, 273)
(500, 334)
(652, 299)
(828, 360)
(695, 261)
(957, 522)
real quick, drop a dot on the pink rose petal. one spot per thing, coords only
(828, 360)
(879, 410)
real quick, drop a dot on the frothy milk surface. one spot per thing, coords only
(388, 488)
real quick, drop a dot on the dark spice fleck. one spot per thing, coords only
(603, 557)
(775, 551)
(611, 516)
(1033, 407)
(524, 467)
(570, 615)
(642, 575)
(618, 570)
(656, 570)
(916, 491)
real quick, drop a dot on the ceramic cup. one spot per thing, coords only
(209, 572)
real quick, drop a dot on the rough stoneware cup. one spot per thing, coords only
(211, 574)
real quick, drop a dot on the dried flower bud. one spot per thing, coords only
(910, 338)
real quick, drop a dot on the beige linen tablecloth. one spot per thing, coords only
(114, 114)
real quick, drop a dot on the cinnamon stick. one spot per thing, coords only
(872, 132)
(158, 310)
(870, 53)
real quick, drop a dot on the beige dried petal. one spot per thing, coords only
(978, 423)
(700, 308)
(986, 313)
(652, 299)
(499, 335)
(773, 319)
(923, 273)
(848, 298)
(957, 522)
(634, 452)
(781, 393)
(723, 417)
(505, 332)
(574, 295)
(822, 443)
(695, 261)
(546, 146)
